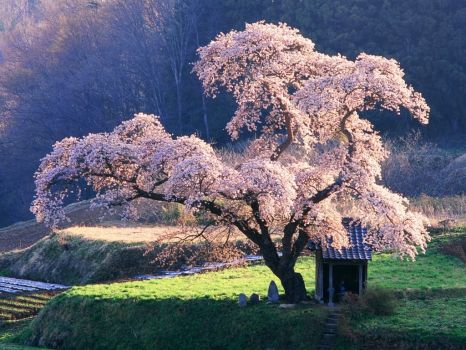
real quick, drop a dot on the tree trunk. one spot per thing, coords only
(293, 283)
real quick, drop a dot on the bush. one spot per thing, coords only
(379, 301)
(374, 301)
(446, 212)
(354, 307)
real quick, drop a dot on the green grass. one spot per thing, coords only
(200, 312)
(430, 270)
(9, 332)
(222, 285)
(195, 312)
(432, 302)
(433, 322)
(432, 318)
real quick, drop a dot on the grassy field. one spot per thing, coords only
(200, 312)
(431, 295)
(429, 271)
(196, 312)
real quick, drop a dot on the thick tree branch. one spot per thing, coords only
(332, 188)
(289, 139)
(213, 208)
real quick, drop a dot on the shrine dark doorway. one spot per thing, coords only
(346, 276)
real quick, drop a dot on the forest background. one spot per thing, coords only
(71, 67)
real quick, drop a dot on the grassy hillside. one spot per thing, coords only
(431, 298)
(70, 259)
(196, 312)
(24, 234)
(83, 221)
(200, 312)
(422, 322)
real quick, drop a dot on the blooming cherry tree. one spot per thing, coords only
(313, 152)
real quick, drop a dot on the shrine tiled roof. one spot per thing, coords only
(357, 249)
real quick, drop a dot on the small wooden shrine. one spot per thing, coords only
(341, 271)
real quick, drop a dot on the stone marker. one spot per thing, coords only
(242, 300)
(272, 294)
(254, 298)
(287, 306)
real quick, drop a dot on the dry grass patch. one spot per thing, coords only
(120, 233)
(145, 233)
(445, 212)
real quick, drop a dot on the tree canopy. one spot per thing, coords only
(313, 151)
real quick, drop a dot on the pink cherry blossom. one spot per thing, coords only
(313, 152)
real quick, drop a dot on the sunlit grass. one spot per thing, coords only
(429, 318)
(222, 285)
(193, 312)
(201, 311)
(432, 270)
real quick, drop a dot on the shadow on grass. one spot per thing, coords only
(78, 322)
(384, 340)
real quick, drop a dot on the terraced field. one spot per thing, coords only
(19, 307)
(21, 299)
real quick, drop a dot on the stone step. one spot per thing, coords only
(336, 310)
(330, 331)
